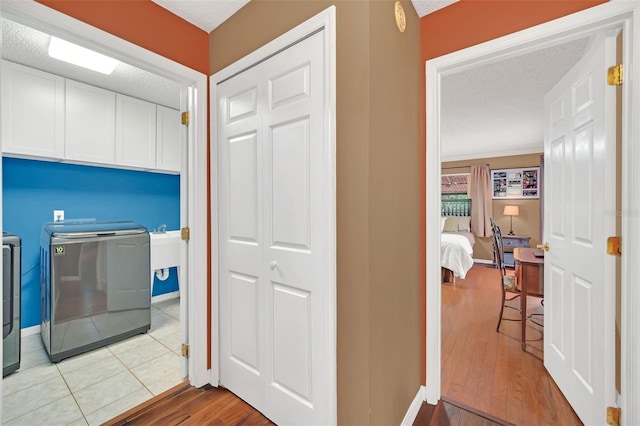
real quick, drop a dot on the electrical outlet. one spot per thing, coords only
(58, 215)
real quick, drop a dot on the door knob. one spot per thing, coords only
(274, 265)
(544, 246)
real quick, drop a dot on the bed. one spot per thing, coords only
(456, 240)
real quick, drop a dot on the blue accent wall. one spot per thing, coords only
(33, 189)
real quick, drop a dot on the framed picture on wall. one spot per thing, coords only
(516, 183)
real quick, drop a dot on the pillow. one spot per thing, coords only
(450, 224)
(457, 223)
(464, 223)
(443, 221)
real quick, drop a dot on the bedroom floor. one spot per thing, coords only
(95, 386)
(487, 370)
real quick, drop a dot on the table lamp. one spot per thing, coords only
(511, 211)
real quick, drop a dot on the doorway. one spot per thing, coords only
(562, 30)
(193, 169)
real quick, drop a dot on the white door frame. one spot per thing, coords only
(326, 20)
(581, 24)
(53, 22)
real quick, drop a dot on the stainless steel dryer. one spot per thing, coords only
(95, 285)
(11, 287)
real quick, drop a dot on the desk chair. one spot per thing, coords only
(508, 282)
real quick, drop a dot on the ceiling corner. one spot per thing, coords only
(425, 7)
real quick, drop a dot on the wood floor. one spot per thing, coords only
(487, 370)
(188, 406)
(448, 413)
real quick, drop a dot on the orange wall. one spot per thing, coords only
(144, 23)
(464, 24)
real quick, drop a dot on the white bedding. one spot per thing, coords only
(456, 253)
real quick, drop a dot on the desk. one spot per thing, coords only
(510, 242)
(530, 275)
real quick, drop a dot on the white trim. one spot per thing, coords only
(166, 296)
(433, 262)
(30, 331)
(327, 20)
(197, 278)
(53, 22)
(483, 261)
(593, 20)
(414, 408)
(630, 267)
(214, 255)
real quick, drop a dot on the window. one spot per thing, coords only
(455, 201)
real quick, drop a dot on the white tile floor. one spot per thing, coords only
(96, 386)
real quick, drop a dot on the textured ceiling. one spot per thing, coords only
(204, 14)
(425, 7)
(497, 109)
(26, 46)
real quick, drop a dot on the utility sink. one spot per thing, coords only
(165, 249)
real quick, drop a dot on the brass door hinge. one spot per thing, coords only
(613, 416)
(613, 246)
(185, 233)
(184, 118)
(614, 75)
(185, 350)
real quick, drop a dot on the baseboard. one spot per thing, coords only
(483, 261)
(166, 296)
(30, 331)
(414, 408)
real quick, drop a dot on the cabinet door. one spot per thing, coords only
(135, 132)
(169, 153)
(90, 118)
(32, 112)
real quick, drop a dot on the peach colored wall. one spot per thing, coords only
(464, 24)
(144, 23)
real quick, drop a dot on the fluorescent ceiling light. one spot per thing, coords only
(77, 55)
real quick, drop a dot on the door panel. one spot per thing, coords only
(290, 191)
(292, 341)
(244, 320)
(580, 183)
(243, 188)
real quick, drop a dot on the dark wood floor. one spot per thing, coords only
(188, 406)
(487, 370)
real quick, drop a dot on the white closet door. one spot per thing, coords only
(272, 284)
(241, 238)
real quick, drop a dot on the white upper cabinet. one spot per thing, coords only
(90, 121)
(168, 151)
(135, 132)
(32, 112)
(48, 117)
